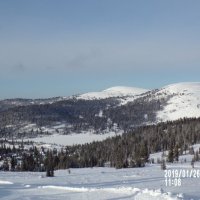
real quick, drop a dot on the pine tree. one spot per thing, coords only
(49, 165)
(13, 163)
(176, 153)
(196, 156)
(191, 151)
(192, 163)
(144, 152)
(170, 157)
(163, 164)
(5, 165)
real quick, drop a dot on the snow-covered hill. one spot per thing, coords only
(184, 101)
(71, 115)
(118, 91)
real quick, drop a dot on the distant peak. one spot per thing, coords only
(124, 88)
(117, 91)
(186, 84)
(183, 86)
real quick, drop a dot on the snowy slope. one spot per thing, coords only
(95, 183)
(118, 91)
(185, 101)
(180, 100)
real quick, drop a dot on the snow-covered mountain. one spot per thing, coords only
(125, 95)
(113, 110)
(184, 101)
(118, 91)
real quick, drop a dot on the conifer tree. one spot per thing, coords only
(163, 164)
(176, 153)
(170, 157)
(49, 164)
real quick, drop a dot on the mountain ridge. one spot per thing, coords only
(116, 91)
(100, 115)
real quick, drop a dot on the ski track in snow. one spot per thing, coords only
(133, 193)
(97, 183)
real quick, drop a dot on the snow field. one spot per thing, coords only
(95, 183)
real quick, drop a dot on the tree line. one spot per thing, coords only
(131, 149)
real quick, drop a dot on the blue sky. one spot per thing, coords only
(58, 48)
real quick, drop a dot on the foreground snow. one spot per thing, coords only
(97, 183)
(5, 182)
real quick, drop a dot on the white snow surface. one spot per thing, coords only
(118, 91)
(184, 103)
(72, 139)
(97, 183)
(5, 182)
